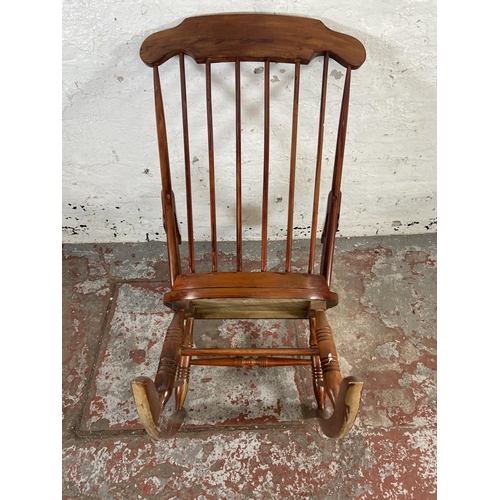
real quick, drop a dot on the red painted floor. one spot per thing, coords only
(251, 433)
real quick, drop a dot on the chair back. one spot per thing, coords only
(238, 40)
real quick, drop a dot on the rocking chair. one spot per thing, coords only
(237, 39)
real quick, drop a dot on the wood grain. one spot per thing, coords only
(293, 165)
(335, 197)
(187, 164)
(252, 37)
(227, 295)
(285, 280)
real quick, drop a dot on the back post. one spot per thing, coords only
(167, 195)
(334, 197)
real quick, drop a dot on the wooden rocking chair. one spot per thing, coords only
(239, 38)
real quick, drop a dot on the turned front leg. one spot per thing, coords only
(328, 355)
(317, 371)
(184, 367)
(169, 359)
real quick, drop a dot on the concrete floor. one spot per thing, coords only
(251, 433)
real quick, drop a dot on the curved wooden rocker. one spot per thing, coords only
(344, 394)
(237, 38)
(347, 403)
(151, 397)
(150, 410)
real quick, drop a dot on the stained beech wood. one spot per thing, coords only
(252, 37)
(149, 409)
(187, 164)
(266, 294)
(259, 351)
(341, 421)
(169, 358)
(272, 288)
(237, 294)
(335, 198)
(293, 164)
(344, 394)
(248, 308)
(262, 362)
(317, 371)
(250, 280)
(328, 356)
(265, 181)
(166, 194)
(319, 159)
(211, 167)
(239, 234)
(183, 369)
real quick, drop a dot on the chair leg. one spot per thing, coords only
(317, 371)
(151, 397)
(182, 382)
(345, 394)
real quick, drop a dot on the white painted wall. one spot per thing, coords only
(111, 179)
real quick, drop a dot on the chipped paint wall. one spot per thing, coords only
(111, 179)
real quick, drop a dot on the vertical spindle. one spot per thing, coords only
(265, 188)
(319, 158)
(239, 244)
(213, 215)
(187, 165)
(293, 163)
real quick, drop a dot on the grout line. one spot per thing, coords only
(79, 431)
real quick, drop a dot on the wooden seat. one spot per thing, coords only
(249, 295)
(237, 39)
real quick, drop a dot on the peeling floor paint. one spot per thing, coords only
(255, 436)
